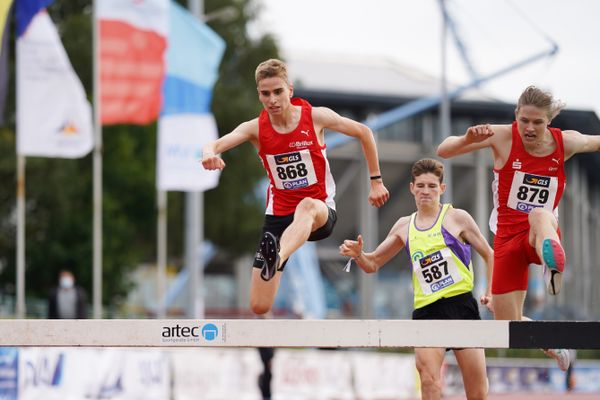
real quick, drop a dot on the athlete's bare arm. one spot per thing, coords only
(371, 262)
(471, 234)
(325, 118)
(576, 142)
(496, 137)
(245, 132)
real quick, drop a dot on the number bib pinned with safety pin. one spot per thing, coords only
(292, 171)
(436, 271)
(529, 191)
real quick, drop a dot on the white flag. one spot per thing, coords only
(180, 152)
(54, 118)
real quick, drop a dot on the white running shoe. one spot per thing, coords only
(553, 280)
(561, 356)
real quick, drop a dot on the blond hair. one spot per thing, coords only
(271, 68)
(427, 165)
(534, 96)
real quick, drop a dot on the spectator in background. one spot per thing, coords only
(264, 379)
(569, 376)
(67, 300)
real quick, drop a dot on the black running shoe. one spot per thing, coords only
(269, 249)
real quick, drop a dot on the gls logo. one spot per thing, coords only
(287, 158)
(535, 180)
(430, 259)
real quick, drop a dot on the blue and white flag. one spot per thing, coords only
(54, 117)
(186, 124)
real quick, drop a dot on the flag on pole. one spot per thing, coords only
(133, 39)
(4, 13)
(54, 118)
(186, 123)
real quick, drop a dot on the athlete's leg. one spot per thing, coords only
(562, 357)
(509, 306)
(262, 293)
(429, 363)
(542, 225)
(309, 216)
(472, 367)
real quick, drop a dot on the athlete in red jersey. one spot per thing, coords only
(289, 136)
(529, 181)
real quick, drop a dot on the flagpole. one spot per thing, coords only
(97, 178)
(161, 253)
(20, 306)
(195, 226)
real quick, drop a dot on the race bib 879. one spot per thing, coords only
(529, 191)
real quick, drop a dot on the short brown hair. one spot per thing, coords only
(427, 165)
(534, 96)
(271, 68)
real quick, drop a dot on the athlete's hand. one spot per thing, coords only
(378, 195)
(211, 162)
(478, 133)
(486, 300)
(352, 248)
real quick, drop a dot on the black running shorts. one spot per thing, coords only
(277, 224)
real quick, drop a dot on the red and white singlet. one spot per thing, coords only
(526, 182)
(295, 162)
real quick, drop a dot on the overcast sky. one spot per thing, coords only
(496, 33)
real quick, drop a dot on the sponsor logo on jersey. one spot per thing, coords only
(535, 180)
(301, 143)
(297, 184)
(430, 259)
(517, 164)
(444, 283)
(287, 158)
(525, 207)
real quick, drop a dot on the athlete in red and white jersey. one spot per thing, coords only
(526, 182)
(529, 161)
(290, 137)
(296, 163)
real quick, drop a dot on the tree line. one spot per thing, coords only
(59, 191)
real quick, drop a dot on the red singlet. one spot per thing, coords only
(295, 162)
(524, 182)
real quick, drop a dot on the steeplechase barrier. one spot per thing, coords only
(299, 333)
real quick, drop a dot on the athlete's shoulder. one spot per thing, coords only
(401, 224)
(458, 216)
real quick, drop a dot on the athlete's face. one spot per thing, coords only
(274, 94)
(427, 190)
(531, 122)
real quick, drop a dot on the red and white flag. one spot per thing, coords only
(133, 40)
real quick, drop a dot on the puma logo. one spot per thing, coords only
(306, 132)
(556, 160)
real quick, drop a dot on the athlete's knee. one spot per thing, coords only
(429, 381)
(307, 206)
(539, 215)
(260, 306)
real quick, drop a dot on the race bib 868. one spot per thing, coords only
(293, 170)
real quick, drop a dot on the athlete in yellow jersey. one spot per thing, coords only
(438, 239)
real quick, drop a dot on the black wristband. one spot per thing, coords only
(375, 177)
